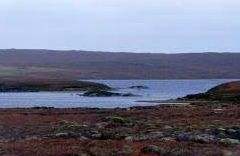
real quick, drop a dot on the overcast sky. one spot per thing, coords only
(121, 25)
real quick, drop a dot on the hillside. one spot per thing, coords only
(103, 65)
(228, 92)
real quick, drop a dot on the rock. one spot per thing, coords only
(93, 134)
(139, 87)
(168, 139)
(77, 126)
(151, 149)
(42, 107)
(128, 95)
(155, 135)
(71, 126)
(3, 140)
(228, 92)
(67, 135)
(101, 125)
(231, 153)
(167, 127)
(83, 138)
(61, 135)
(101, 93)
(166, 151)
(66, 122)
(183, 136)
(231, 131)
(106, 135)
(203, 138)
(200, 138)
(142, 137)
(221, 129)
(229, 142)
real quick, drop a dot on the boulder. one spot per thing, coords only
(229, 142)
(151, 149)
(199, 138)
(203, 138)
(148, 136)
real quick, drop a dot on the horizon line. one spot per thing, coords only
(136, 52)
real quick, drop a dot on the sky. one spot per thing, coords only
(169, 26)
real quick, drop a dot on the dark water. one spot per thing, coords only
(158, 90)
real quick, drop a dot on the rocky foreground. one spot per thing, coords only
(203, 128)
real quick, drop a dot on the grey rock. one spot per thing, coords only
(83, 138)
(113, 135)
(231, 131)
(148, 136)
(102, 93)
(231, 153)
(229, 142)
(167, 127)
(200, 138)
(221, 129)
(203, 138)
(139, 87)
(67, 135)
(61, 135)
(183, 136)
(93, 134)
(168, 139)
(101, 125)
(151, 149)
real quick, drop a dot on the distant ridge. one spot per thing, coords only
(79, 64)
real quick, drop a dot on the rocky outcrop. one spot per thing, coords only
(228, 92)
(50, 85)
(229, 142)
(103, 93)
(139, 87)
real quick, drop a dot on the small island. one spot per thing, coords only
(104, 93)
(36, 85)
(139, 87)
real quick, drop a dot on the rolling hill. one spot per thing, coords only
(17, 64)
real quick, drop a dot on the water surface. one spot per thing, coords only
(158, 90)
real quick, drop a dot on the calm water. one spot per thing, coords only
(158, 90)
